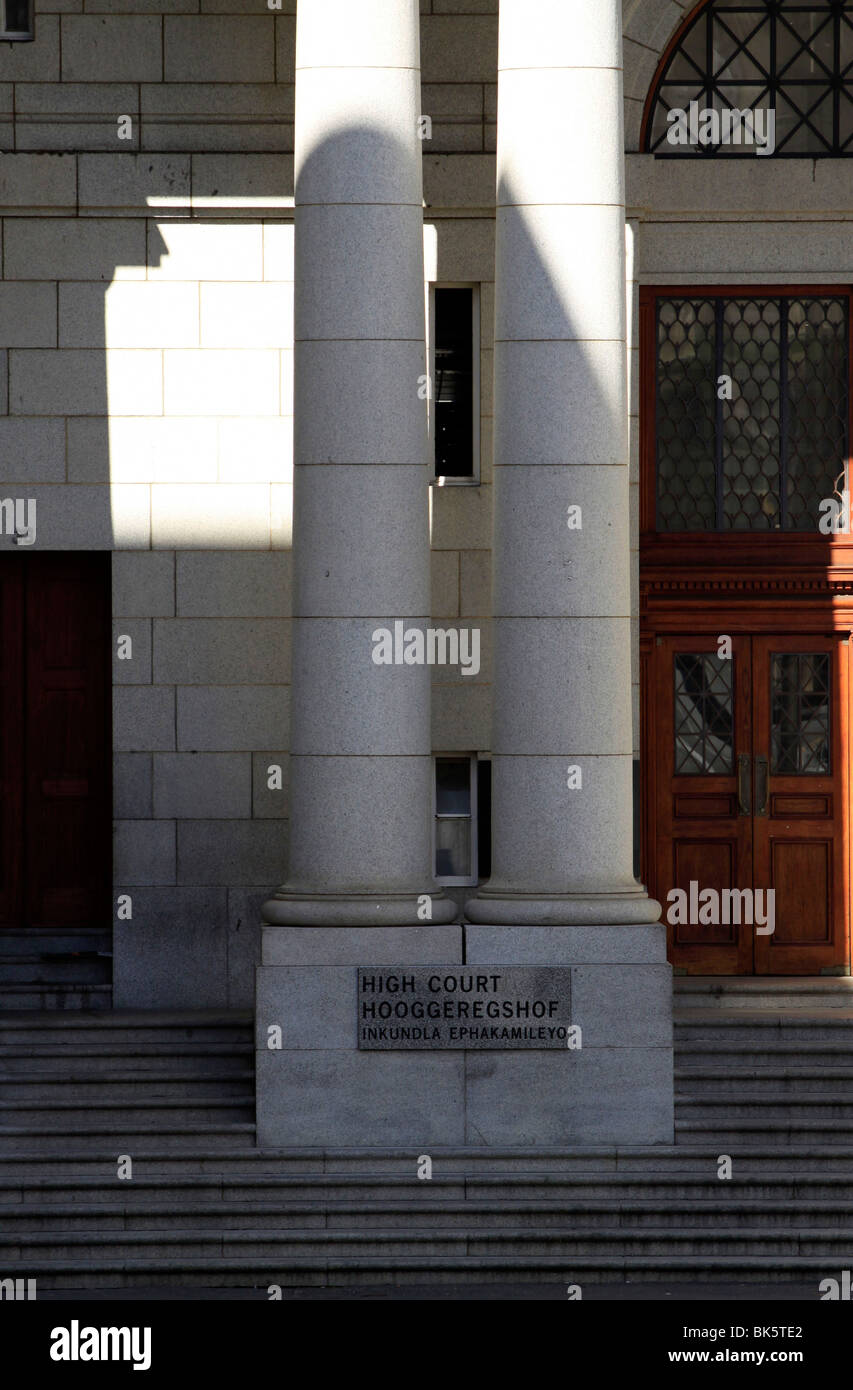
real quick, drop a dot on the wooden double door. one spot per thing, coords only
(748, 772)
(55, 740)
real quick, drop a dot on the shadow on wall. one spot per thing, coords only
(142, 423)
(561, 539)
(138, 380)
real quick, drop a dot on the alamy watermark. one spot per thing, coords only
(17, 1290)
(729, 126)
(835, 514)
(76, 1343)
(716, 907)
(18, 519)
(432, 646)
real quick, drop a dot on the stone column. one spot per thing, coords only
(563, 891)
(562, 810)
(361, 772)
(360, 764)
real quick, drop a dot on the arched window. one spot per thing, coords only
(755, 77)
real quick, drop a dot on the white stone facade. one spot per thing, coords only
(146, 391)
(146, 323)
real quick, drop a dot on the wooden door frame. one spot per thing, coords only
(734, 830)
(750, 620)
(790, 957)
(746, 583)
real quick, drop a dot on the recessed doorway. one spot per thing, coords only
(55, 762)
(746, 615)
(750, 790)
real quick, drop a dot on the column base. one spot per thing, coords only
(630, 906)
(319, 1090)
(286, 909)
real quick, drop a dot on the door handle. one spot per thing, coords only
(761, 786)
(743, 799)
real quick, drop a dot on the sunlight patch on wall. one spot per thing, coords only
(199, 387)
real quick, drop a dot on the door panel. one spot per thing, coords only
(11, 743)
(751, 772)
(704, 837)
(711, 865)
(799, 835)
(55, 741)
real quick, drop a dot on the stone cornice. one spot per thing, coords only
(763, 190)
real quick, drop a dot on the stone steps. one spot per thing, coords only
(783, 1084)
(777, 1072)
(784, 1132)
(91, 1063)
(123, 1029)
(52, 941)
(567, 1215)
(729, 1060)
(685, 1163)
(67, 969)
(321, 1271)
(61, 998)
(114, 1116)
(88, 1136)
(765, 1109)
(749, 1031)
(122, 1081)
(44, 1092)
(205, 1208)
(81, 968)
(774, 995)
(381, 1189)
(567, 1242)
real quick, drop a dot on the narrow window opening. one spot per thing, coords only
(17, 20)
(456, 852)
(455, 373)
(484, 819)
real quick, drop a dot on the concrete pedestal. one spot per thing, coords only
(319, 1090)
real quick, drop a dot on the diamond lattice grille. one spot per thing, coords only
(686, 415)
(703, 714)
(782, 55)
(816, 378)
(751, 411)
(799, 702)
(751, 419)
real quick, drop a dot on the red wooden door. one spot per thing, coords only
(704, 837)
(11, 740)
(55, 752)
(751, 775)
(801, 793)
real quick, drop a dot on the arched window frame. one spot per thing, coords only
(836, 17)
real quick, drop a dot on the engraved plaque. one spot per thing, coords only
(463, 1006)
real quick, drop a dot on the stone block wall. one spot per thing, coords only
(199, 75)
(146, 304)
(149, 384)
(146, 329)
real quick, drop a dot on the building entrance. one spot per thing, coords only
(750, 772)
(746, 613)
(55, 741)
